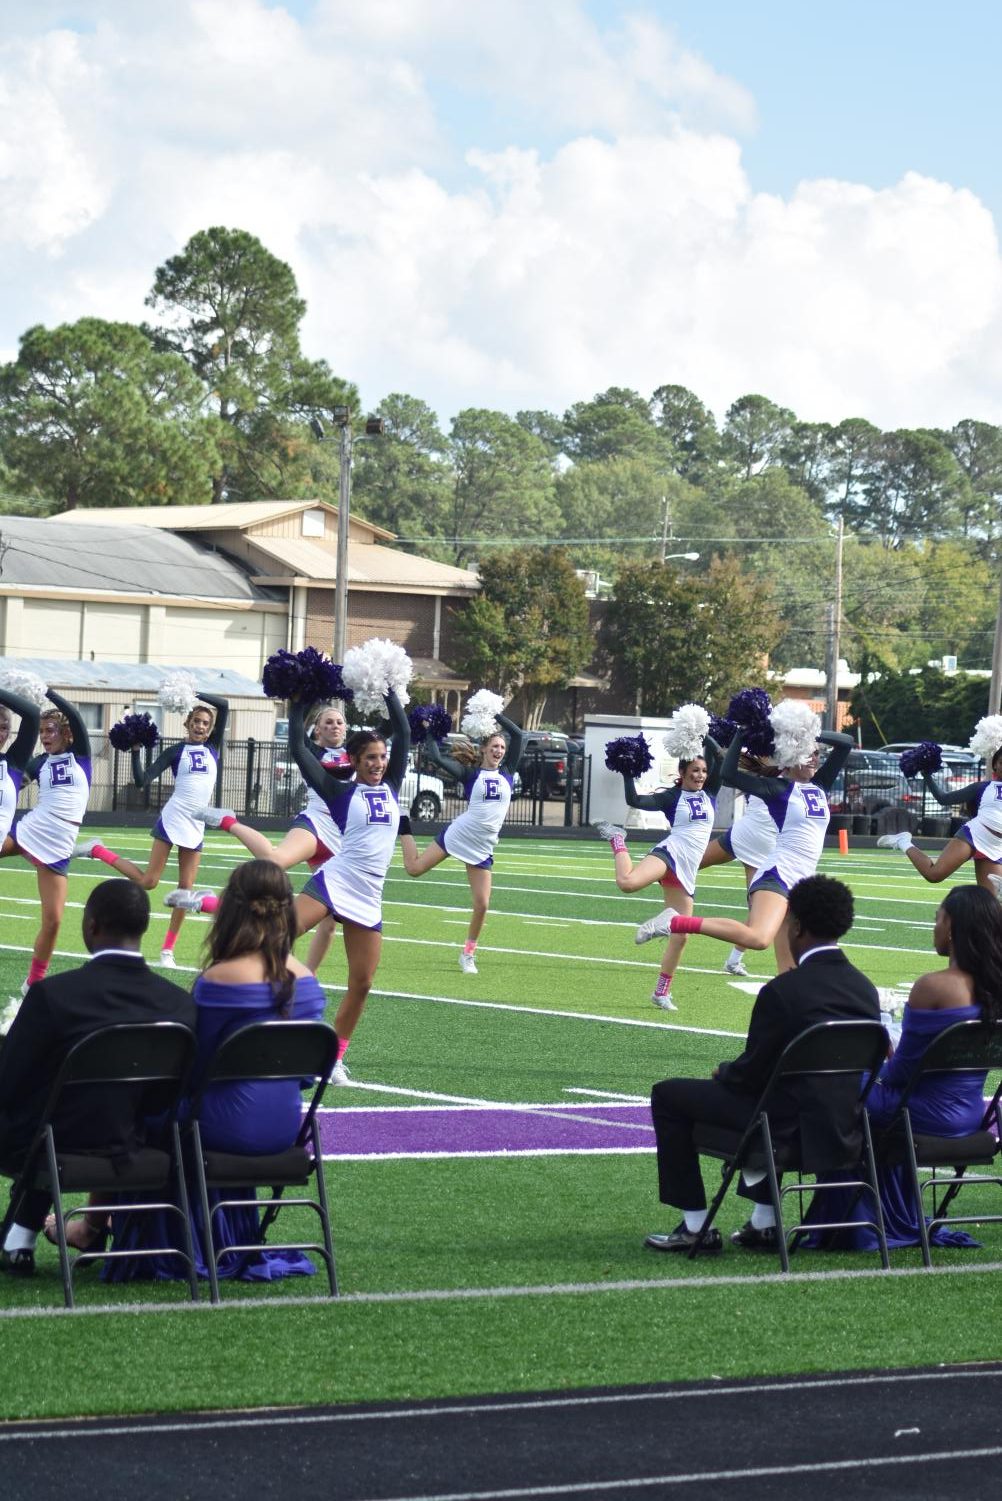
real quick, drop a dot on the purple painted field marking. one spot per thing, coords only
(485, 1130)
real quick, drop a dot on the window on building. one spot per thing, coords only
(313, 523)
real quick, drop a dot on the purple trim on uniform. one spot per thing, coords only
(304, 821)
(60, 868)
(316, 889)
(779, 806)
(769, 880)
(661, 852)
(724, 840)
(440, 840)
(964, 833)
(469, 782)
(176, 762)
(159, 832)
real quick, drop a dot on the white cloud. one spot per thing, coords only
(613, 237)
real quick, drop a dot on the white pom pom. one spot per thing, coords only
(796, 728)
(25, 684)
(987, 737)
(10, 1010)
(372, 669)
(177, 693)
(684, 736)
(481, 716)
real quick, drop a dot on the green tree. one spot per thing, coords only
(672, 637)
(232, 310)
(502, 482)
(688, 430)
(914, 487)
(616, 424)
(402, 480)
(754, 434)
(92, 415)
(547, 427)
(977, 448)
(852, 444)
(928, 705)
(528, 630)
(622, 500)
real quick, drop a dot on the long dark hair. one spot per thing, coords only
(976, 938)
(256, 916)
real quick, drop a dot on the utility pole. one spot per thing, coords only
(833, 622)
(665, 526)
(995, 691)
(373, 429)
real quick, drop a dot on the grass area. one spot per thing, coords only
(561, 1004)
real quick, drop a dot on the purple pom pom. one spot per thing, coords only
(307, 676)
(722, 729)
(135, 730)
(759, 739)
(749, 706)
(630, 755)
(429, 720)
(927, 756)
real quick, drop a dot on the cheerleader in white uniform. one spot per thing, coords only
(689, 808)
(349, 887)
(15, 760)
(195, 766)
(979, 839)
(486, 776)
(314, 836)
(46, 834)
(798, 805)
(750, 839)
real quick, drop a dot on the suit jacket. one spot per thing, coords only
(826, 987)
(58, 1012)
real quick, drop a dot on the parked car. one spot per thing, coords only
(872, 781)
(421, 795)
(548, 759)
(452, 785)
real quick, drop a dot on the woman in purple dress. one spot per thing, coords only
(968, 933)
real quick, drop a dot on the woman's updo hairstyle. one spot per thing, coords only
(256, 915)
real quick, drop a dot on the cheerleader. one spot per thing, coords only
(798, 805)
(486, 774)
(980, 838)
(314, 836)
(349, 887)
(46, 833)
(750, 839)
(689, 808)
(15, 759)
(195, 765)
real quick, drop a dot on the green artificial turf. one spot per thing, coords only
(561, 1004)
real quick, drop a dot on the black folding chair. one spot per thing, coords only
(970, 1047)
(824, 1051)
(300, 1050)
(152, 1060)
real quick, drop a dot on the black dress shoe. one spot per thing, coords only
(681, 1239)
(18, 1263)
(752, 1239)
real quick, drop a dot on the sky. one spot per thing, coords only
(517, 205)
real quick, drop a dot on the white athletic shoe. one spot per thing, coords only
(339, 1073)
(84, 847)
(900, 841)
(735, 966)
(167, 960)
(25, 986)
(656, 927)
(995, 882)
(468, 964)
(663, 1002)
(188, 901)
(608, 830)
(213, 817)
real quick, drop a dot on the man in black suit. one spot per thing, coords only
(823, 987)
(114, 986)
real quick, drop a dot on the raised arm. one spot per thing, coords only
(516, 744)
(24, 743)
(401, 748)
(222, 708)
(142, 775)
(449, 764)
(81, 739)
(748, 782)
(841, 745)
(714, 757)
(969, 794)
(664, 801)
(313, 773)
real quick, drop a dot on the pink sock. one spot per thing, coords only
(618, 844)
(37, 970)
(101, 852)
(663, 987)
(343, 1044)
(210, 900)
(681, 924)
(168, 942)
(470, 946)
(226, 825)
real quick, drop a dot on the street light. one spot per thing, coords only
(690, 557)
(373, 428)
